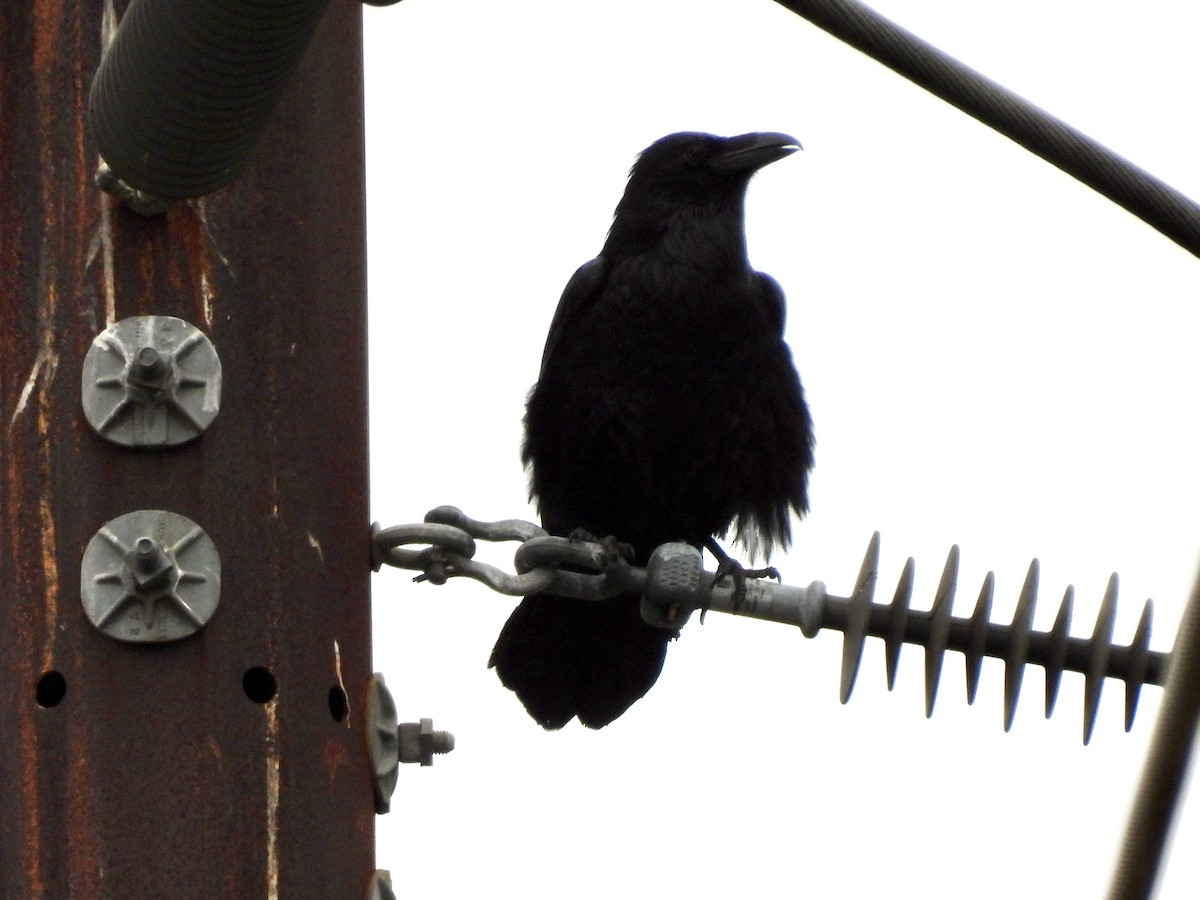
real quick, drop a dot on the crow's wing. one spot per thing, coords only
(577, 299)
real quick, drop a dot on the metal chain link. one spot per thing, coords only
(673, 585)
(592, 571)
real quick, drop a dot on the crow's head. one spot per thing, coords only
(691, 170)
(690, 162)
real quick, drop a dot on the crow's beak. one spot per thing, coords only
(749, 152)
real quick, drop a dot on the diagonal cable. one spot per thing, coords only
(1150, 199)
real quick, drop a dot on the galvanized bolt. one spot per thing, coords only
(150, 576)
(151, 381)
(150, 371)
(149, 566)
(419, 742)
(390, 743)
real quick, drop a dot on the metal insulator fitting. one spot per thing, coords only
(151, 381)
(150, 576)
(383, 741)
(674, 585)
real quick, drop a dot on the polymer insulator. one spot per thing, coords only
(1017, 644)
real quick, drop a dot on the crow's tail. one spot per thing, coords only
(592, 659)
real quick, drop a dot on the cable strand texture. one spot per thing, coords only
(1147, 197)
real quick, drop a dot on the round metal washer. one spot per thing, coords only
(177, 405)
(127, 601)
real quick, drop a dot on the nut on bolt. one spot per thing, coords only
(390, 743)
(419, 742)
(149, 372)
(148, 565)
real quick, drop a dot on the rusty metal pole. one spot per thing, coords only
(223, 765)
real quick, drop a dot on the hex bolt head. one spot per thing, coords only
(419, 742)
(148, 565)
(151, 381)
(150, 371)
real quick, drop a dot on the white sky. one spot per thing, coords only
(994, 356)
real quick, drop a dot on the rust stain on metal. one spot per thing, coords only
(47, 362)
(44, 368)
(223, 786)
(335, 757)
(272, 782)
(201, 208)
(196, 238)
(31, 796)
(147, 266)
(48, 19)
(48, 537)
(84, 848)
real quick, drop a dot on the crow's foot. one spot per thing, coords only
(729, 567)
(613, 548)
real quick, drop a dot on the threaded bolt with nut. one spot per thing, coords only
(419, 742)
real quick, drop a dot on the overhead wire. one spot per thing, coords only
(1149, 198)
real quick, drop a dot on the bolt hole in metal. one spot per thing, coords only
(51, 688)
(259, 684)
(339, 704)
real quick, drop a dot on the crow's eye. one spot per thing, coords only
(696, 152)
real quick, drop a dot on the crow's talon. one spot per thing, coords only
(767, 572)
(740, 574)
(727, 565)
(613, 548)
(733, 569)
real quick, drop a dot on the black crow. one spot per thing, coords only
(667, 409)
